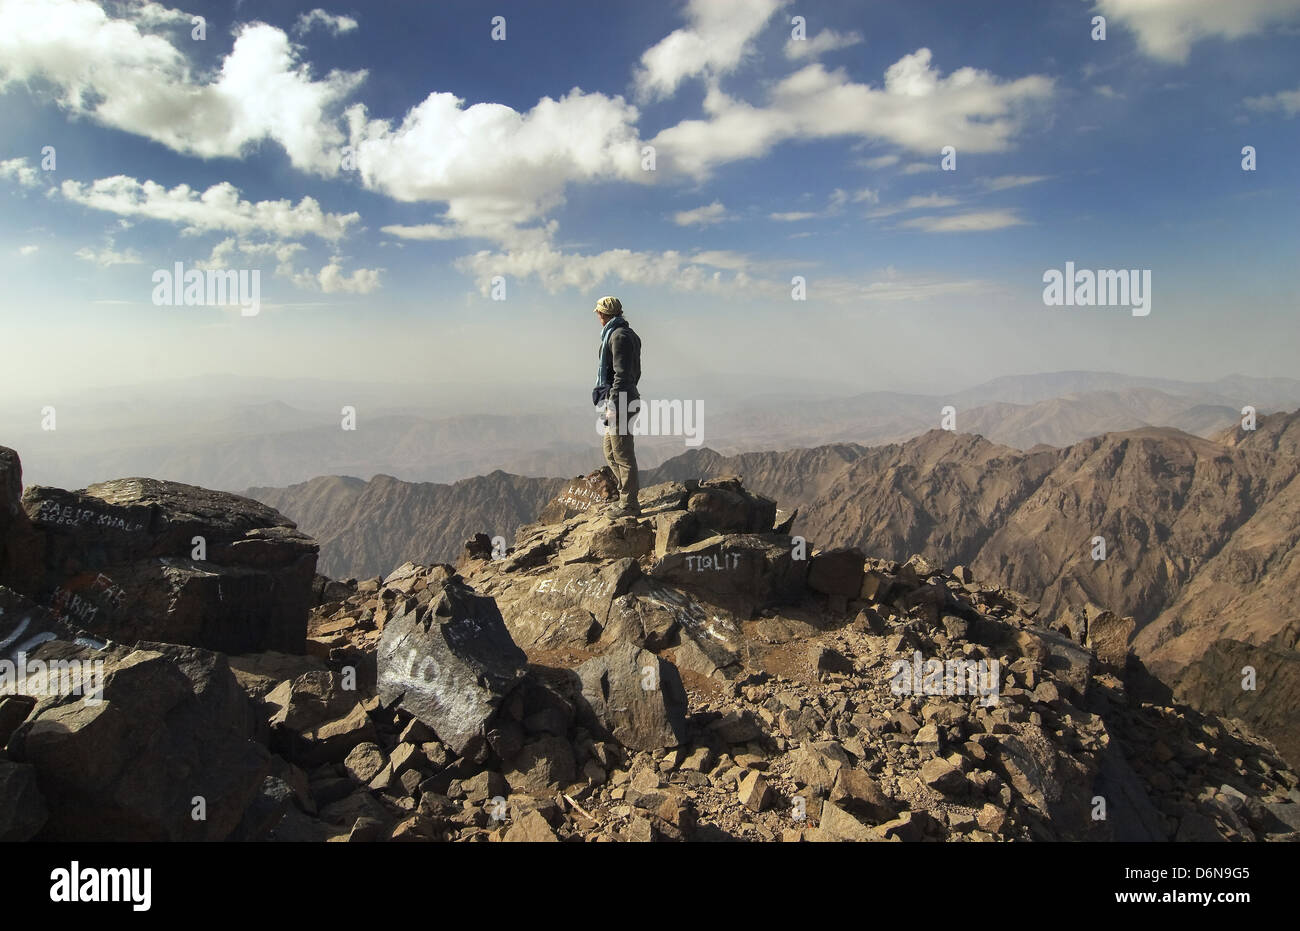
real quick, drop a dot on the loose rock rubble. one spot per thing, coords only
(693, 674)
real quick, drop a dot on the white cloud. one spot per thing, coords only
(977, 222)
(880, 161)
(555, 270)
(793, 216)
(701, 216)
(890, 286)
(714, 43)
(917, 109)
(917, 202)
(918, 168)
(332, 280)
(151, 14)
(235, 252)
(422, 231)
(28, 250)
(17, 169)
(834, 205)
(107, 257)
(1167, 29)
(828, 40)
(238, 253)
(1105, 90)
(331, 22)
(111, 71)
(218, 208)
(722, 258)
(1006, 182)
(1286, 101)
(495, 167)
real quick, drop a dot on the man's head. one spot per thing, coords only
(607, 308)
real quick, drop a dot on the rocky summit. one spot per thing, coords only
(695, 673)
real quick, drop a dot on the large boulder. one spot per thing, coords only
(724, 505)
(557, 606)
(22, 807)
(140, 559)
(450, 662)
(1054, 782)
(162, 752)
(581, 494)
(837, 572)
(1109, 635)
(24, 625)
(654, 613)
(18, 548)
(739, 572)
(11, 488)
(635, 697)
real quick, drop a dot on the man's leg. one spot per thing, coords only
(607, 444)
(623, 452)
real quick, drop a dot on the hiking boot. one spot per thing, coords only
(625, 510)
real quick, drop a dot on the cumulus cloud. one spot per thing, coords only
(114, 71)
(234, 253)
(721, 273)
(701, 216)
(25, 251)
(556, 270)
(107, 257)
(917, 108)
(1166, 30)
(716, 40)
(493, 166)
(828, 40)
(218, 208)
(976, 222)
(328, 21)
(17, 170)
(332, 280)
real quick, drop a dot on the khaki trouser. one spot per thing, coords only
(620, 455)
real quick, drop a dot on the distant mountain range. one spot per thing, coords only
(1198, 532)
(368, 528)
(223, 434)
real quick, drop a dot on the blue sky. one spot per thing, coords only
(524, 158)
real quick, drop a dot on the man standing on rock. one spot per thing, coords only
(617, 374)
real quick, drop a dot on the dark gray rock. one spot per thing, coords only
(118, 558)
(837, 572)
(22, 807)
(168, 740)
(634, 697)
(450, 663)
